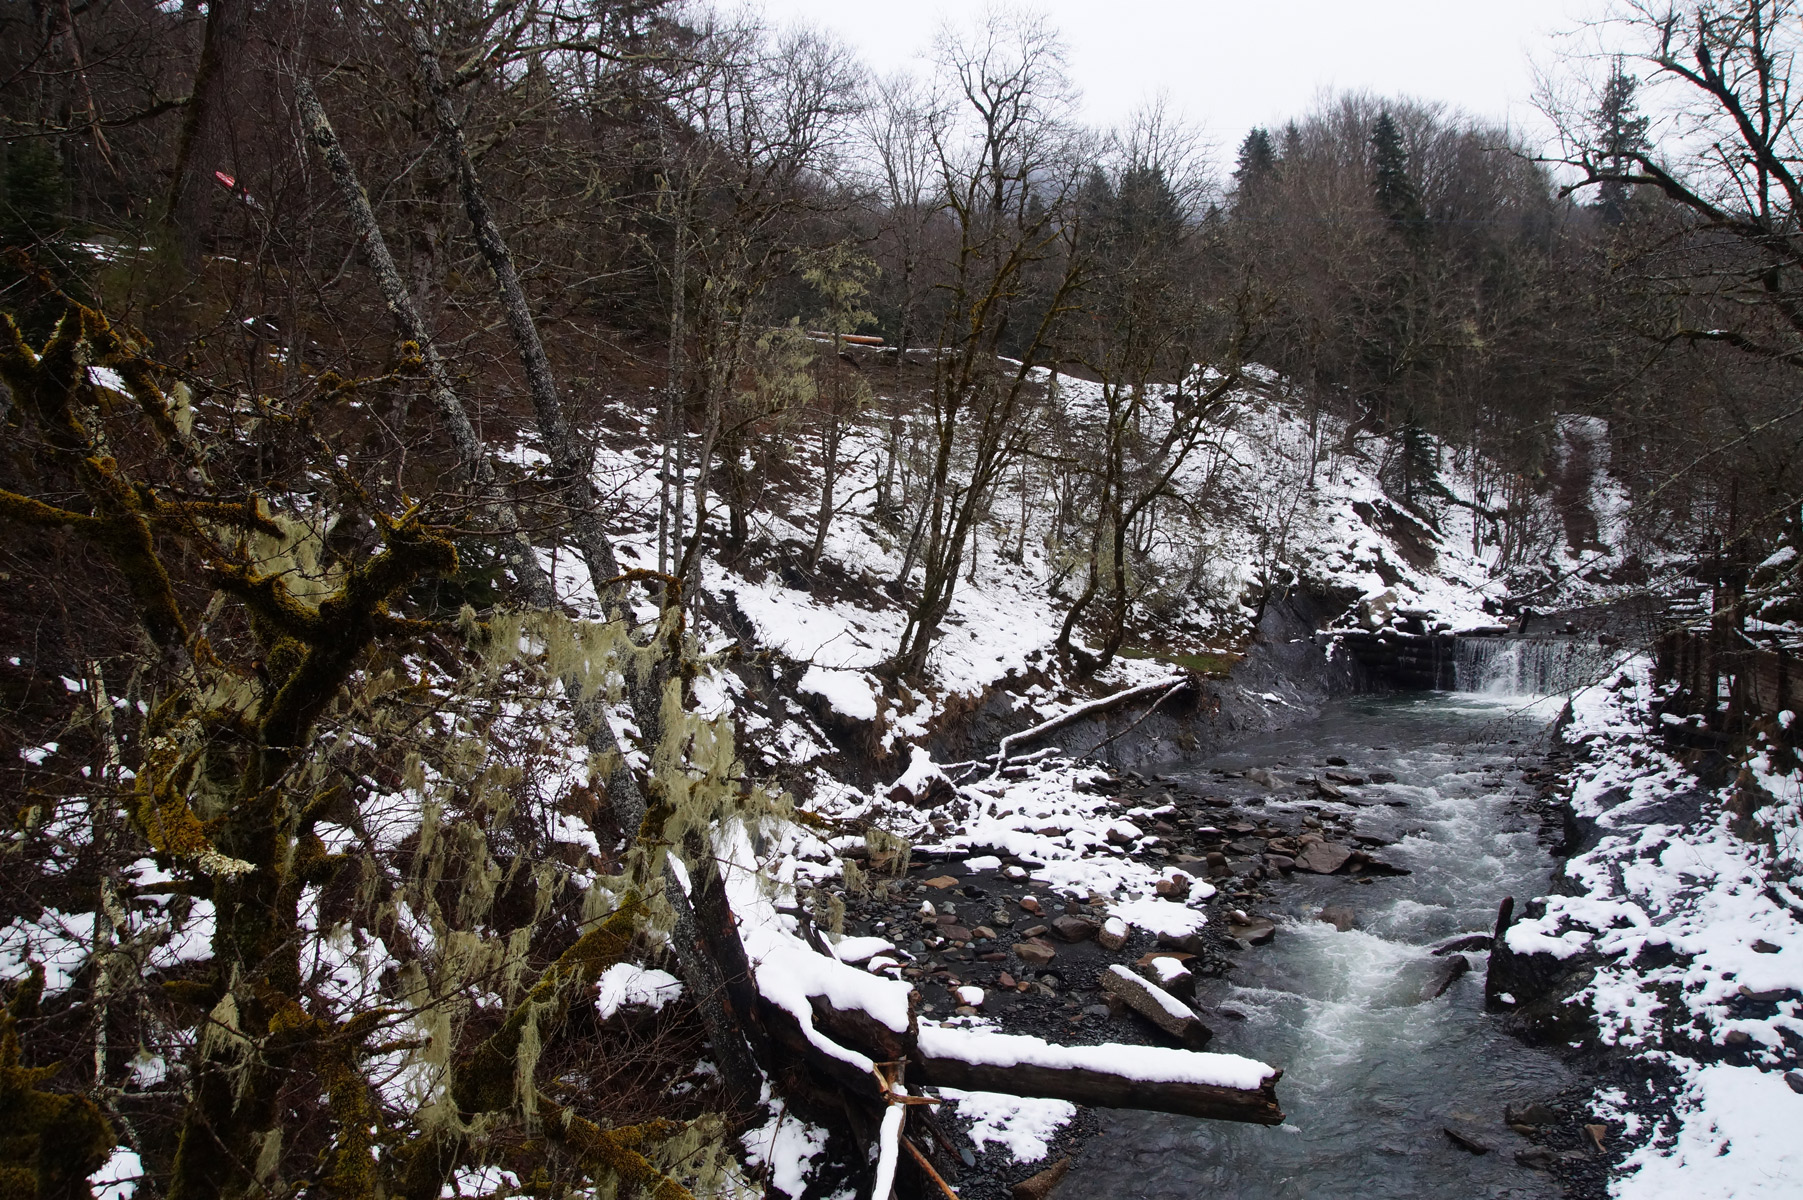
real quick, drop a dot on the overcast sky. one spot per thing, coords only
(1231, 64)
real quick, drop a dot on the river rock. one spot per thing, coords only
(1030, 904)
(1529, 1114)
(1281, 863)
(1323, 858)
(1157, 1006)
(1074, 929)
(1456, 966)
(1471, 941)
(1038, 1187)
(1537, 1158)
(1345, 777)
(1261, 777)
(1331, 791)
(1336, 760)
(1465, 1141)
(1035, 953)
(1113, 934)
(1169, 973)
(1340, 916)
(957, 933)
(1382, 777)
(1256, 931)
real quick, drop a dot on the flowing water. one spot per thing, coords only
(1372, 1072)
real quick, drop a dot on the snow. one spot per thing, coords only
(784, 1145)
(1146, 1064)
(788, 971)
(849, 692)
(118, 1178)
(1165, 917)
(1738, 1140)
(626, 984)
(1023, 1125)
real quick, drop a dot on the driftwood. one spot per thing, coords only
(1163, 689)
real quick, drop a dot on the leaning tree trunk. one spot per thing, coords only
(700, 954)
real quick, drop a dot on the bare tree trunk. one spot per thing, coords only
(570, 465)
(699, 954)
(221, 46)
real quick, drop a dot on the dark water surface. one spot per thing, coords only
(1372, 1073)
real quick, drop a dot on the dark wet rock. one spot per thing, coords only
(1454, 969)
(1382, 777)
(1466, 1141)
(1281, 863)
(1529, 1114)
(1336, 760)
(1340, 916)
(1343, 777)
(1537, 1158)
(1471, 941)
(1795, 1080)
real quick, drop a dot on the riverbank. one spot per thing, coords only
(1669, 949)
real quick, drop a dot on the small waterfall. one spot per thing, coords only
(1518, 666)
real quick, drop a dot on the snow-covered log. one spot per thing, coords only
(1220, 1087)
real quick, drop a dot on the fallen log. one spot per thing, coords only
(1220, 1087)
(1162, 689)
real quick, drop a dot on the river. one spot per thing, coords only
(1373, 1073)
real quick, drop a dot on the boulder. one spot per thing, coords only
(1113, 934)
(1255, 931)
(1340, 916)
(1323, 858)
(1157, 1006)
(1456, 966)
(1035, 953)
(1074, 929)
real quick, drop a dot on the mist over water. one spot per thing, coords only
(1372, 1072)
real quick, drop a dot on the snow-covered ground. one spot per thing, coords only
(1694, 919)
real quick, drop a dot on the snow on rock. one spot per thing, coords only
(1023, 1125)
(1146, 1064)
(1668, 869)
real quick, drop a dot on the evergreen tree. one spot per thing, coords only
(1395, 192)
(1258, 158)
(1256, 168)
(1621, 138)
